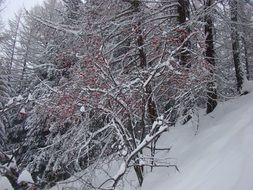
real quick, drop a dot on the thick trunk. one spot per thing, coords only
(182, 18)
(150, 110)
(210, 58)
(184, 54)
(236, 45)
(246, 58)
(182, 11)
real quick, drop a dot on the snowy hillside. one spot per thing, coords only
(219, 157)
(94, 95)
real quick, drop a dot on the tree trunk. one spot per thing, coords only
(210, 58)
(150, 109)
(183, 11)
(246, 58)
(16, 24)
(235, 44)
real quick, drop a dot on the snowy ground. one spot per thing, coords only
(218, 157)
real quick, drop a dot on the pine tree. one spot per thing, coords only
(10, 42)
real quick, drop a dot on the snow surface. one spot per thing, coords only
(22, 111)
(82, 109)
(218, 157)
(5, 184)
(25, 176)
(19, 98)
(98, 175)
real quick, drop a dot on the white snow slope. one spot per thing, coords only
(219, 157)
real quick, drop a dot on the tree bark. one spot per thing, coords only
(210, 58)
(183, 11)
(235, 44)
(246, 54)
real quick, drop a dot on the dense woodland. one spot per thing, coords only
(84, 83)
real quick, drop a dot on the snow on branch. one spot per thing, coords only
(57, 26)
(158, 127)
